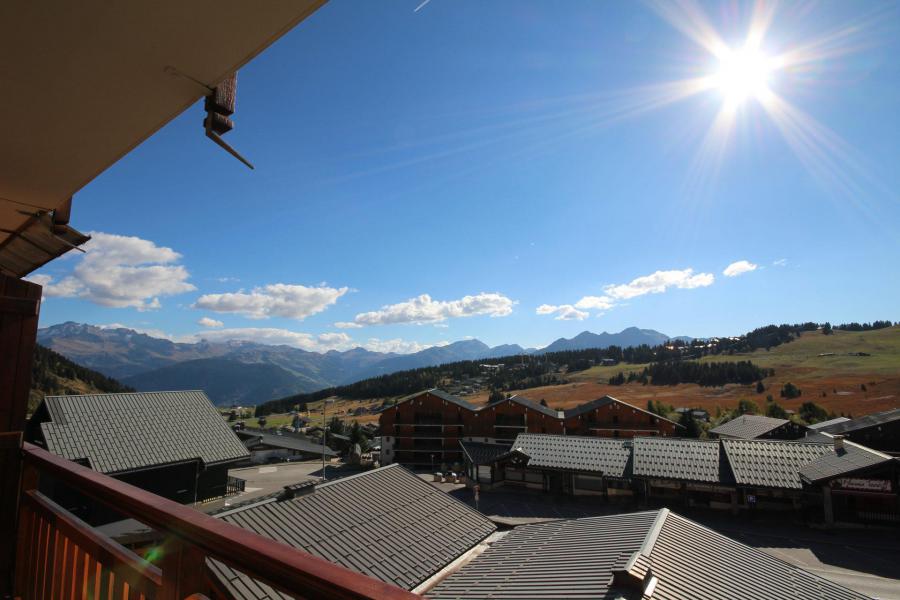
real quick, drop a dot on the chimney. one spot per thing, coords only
(838, 443)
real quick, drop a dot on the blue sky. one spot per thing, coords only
(525, 166)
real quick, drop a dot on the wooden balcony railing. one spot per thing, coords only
(58, 556)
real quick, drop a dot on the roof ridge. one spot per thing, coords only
(122, 394)
(326, 484)
(867, 449)
(653, 534)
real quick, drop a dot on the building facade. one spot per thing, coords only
(425, 429)
(831, 480)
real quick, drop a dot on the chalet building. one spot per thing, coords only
(173, 444)
(424, 429)
(608, 417)
(653, 554)
(879, 430)
(758, 427)
(831, 479)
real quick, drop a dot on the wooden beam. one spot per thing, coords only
(20, 303)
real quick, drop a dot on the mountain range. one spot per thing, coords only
(241, 372)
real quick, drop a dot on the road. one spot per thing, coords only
(262, 480)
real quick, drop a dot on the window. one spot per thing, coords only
(615, 418)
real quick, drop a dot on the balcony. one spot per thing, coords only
(56, 555)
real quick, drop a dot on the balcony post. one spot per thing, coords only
(20, 304)
(183, 571)
(25, 523)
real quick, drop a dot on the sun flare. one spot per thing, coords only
(743, 74)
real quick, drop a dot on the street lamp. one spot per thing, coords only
(324, 435)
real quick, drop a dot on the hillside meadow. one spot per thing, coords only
(820, 365)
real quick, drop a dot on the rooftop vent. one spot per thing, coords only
(838, 443)
(297, 489)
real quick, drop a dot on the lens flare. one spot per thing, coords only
(743, 74)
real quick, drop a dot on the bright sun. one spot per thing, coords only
(743, 74)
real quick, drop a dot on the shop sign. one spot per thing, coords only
(865, 485)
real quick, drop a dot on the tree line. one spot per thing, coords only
(710, 374)
(50, 371)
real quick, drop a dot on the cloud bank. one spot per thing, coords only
(274, 300)
(423, 309)
(121, 271)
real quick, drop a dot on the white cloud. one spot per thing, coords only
(739, 268)
(601, 303)
(347, 325)
(655, 283)
(399, 346)
(276, 337)
(275, 300)
(322, 342)
(121, 271)
(422, 309)
(781, 262)
(659, 282)
(152, 332)
(207, 322)
(563, 312)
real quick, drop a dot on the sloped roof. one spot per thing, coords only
(599, 402)
(387, 523)
(748, 427)
(528, 403)
(771, 463)
(440, 394)
(288, 442)
(823, 424)
(852, 457)
(558, 559)
(679, 458)
(123, 432)
(873, 420)
(483, 454)
(620, 556)
(609, 456)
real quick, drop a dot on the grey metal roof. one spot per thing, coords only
(483, 454)
(748, 427)
(620, 556)
(609, 456)
(829, 423)
(559, 559)
(873, 420)
(288, 442)
(124, 432)
(387, 523)
(852, 457)
(771, 463)
(679, 458)
(528, 403)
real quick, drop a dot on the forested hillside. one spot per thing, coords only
(53, 374)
